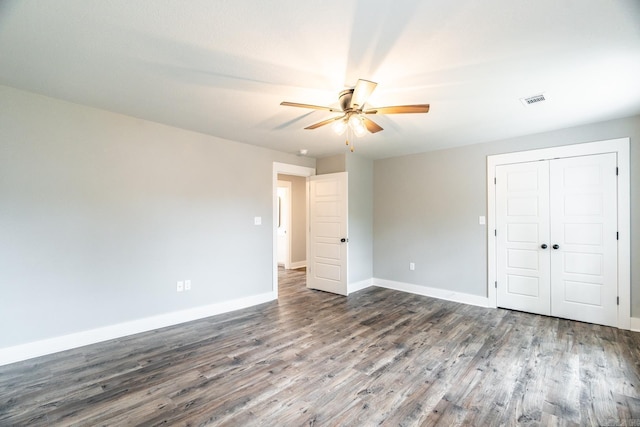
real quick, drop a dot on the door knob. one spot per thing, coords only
(556, 246)
(544, 246)
(343, 240)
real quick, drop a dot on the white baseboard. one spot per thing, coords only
(358, 286)
(433, 292)
(79, 339)
(298, 264)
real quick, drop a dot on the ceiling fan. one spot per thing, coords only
(353, 112)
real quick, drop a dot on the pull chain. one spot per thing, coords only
(349, 136)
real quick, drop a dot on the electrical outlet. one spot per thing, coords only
(187, 285)
(180, 286)
(412, 266)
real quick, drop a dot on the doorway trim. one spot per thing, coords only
(285, 169)
(620, 146)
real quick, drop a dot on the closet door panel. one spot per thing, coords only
(522, 220)
(583, 221)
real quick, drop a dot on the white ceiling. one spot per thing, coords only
(222, 67)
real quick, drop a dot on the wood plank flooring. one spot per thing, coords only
(378, 357)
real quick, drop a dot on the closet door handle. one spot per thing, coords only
(544, 246)
(556, 246)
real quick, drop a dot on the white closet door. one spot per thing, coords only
(522, 220)
(583, 201)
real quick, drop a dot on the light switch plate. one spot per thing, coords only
(482, 220)
(257, 220)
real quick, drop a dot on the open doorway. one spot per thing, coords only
(291, 232)
(290, 219)
(285, 222)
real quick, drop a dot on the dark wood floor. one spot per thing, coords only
(312, 358)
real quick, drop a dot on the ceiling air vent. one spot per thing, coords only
(535, 99)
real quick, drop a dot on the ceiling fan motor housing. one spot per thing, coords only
(345, 99)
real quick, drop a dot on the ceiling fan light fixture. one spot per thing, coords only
(339, 126)
(355, 123)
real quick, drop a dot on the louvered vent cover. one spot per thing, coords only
(533, 99)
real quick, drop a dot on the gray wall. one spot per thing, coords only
(298, 216)
(331, 164)
(360, 217)
(101, 214)
(426, 209)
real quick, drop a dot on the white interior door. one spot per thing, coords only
(328, 242)
(522, 237)
(583, 236)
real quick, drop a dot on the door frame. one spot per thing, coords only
(285, 169)
(620, 146)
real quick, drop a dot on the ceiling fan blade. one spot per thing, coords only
(324, 122)
(361, 93)
(399, 109)
(372, 126)
(313, 107)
